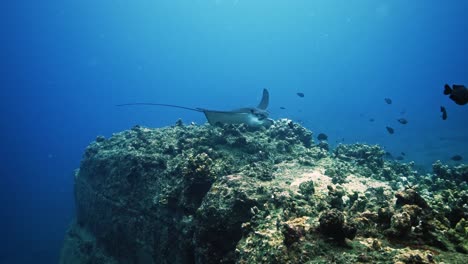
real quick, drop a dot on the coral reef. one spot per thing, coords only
(233, 194)
(332, 224)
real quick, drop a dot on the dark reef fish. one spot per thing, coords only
(399, 158)
(371, 119)
(402, 121)
(403, 154)
(444, 113)
(388, 100)
(251, 116)
(322, 137)
(282, 107)
(390, 130)
(300, 94)
(456, 158)
(458, 93)
(388, 155)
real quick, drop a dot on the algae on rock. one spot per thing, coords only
(233, 194)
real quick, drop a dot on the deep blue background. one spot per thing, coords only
(65, 64)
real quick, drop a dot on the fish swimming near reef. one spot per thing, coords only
(444, 113)
(300, 94)
(456, 158)
(399, 158)
(458, 93)
(388, 100)
(251, 116)
(388, 155)
(402, 121)
(322, 137)
(390, 130)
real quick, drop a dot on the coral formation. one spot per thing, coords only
(233, 194)
(332, 224)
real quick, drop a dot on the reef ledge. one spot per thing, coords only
(230, 194)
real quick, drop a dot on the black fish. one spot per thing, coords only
(300, 94)
(444, 113)
(456, 158)
(403, 121)
(371, 120)
(281, 107)
(390, 130)
(458, 93)
(388, 100)
(403, 154)
(388, 155)
(399, 158)
(322, 137)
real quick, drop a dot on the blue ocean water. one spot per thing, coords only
(66, 64)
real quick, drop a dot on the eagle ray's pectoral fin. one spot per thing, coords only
(265, 100)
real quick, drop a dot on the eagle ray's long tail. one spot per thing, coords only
(167, 105)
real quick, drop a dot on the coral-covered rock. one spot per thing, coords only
(459, 236)
(415, 212)
(410, 196)
(362, 154)
(458, 173)
(307, 188)
(332, 224)
(294, 230)
(335, 197)
(219, 218)
(323, 145)
(292, 132)
(401, 224)
(233, 194)
(414, 258)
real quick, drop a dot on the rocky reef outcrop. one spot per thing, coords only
(232, 194)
